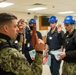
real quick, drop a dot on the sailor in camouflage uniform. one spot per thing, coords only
(11, 62)
(69, 43)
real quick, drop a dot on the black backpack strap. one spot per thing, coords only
(7, 44)
(4, 45)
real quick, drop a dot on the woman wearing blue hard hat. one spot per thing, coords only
(52, 43)
(69, 43)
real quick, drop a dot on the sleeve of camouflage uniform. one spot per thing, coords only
(10, 60)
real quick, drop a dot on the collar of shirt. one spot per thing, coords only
(4, 36)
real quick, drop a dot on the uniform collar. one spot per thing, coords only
(54, 30)
(4, 36)
(71, 34)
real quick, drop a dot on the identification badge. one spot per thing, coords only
(50, 38)
(28, 45)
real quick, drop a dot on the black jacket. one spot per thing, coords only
(69, 43)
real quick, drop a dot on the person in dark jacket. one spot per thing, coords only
(69, 43)
(52, 44)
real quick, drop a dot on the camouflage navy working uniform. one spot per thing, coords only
(13, 64)
(69, 65)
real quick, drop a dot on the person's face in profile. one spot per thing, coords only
(13, 29)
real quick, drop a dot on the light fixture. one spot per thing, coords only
(37, 8)
(66, 12)
(5, 4)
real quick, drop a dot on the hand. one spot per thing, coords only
(59, 28)
(40, 45)
(62, 55)
(21, 25)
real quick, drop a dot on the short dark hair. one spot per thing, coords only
(6, 17)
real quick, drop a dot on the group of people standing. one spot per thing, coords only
(12, 63)
(56, 39)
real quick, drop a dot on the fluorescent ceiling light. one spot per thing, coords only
(5, 4)
(35, 9)
(66, 12)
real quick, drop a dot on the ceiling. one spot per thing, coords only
(53, 6)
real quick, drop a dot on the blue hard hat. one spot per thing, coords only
(32, 21)
(52, 19)
(69, 19)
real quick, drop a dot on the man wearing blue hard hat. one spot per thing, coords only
(53, 44)
(69, 44)
(27, 48)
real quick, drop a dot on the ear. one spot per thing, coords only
(5, 27)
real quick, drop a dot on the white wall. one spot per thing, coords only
(27, 16)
